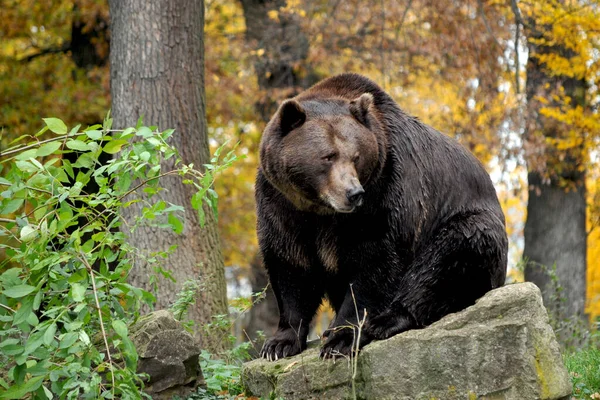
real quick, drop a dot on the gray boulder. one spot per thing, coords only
(168, 354)
(500, 348)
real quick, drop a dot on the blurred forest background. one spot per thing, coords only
(515, 81)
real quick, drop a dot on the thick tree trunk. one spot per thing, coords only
(157, 70)
(555, 232)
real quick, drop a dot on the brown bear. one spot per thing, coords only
(364, 204)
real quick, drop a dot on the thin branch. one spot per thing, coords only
(401, 22)
(7, 220)
(487, 23)
(517, 12)
(37, 144)
(53, 50)
(91, 271)
(7, 308)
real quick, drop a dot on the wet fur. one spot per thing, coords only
(428, 240)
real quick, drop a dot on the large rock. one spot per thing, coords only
(500, 348)
(168, 354)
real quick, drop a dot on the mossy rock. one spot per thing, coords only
(500, 348)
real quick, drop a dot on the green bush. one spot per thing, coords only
(65, 303)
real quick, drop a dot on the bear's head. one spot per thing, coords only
(322, 153)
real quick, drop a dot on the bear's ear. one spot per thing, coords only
(291, 116)
(360, 106)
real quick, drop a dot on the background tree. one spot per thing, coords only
(557, 142)
(157, 70)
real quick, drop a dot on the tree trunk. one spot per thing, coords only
(157, 70)
(282, 48)
(281, 72)
(555, 231)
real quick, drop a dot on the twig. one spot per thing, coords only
(145, 181)
(30, 146)
(7, 220)
(7, 308)
(486, 23)
(354, 354)
(91, 271)
(62, 49)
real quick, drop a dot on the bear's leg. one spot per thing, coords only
(299, 293)
(466, 259)
(343, 332)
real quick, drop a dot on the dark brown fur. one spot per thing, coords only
(426, 237)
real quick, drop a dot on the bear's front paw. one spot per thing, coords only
(284, 343)
(387, 324)
(341, 342)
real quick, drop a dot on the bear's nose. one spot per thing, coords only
(355, 195)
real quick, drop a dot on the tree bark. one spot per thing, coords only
(555, 231)
(157, 70)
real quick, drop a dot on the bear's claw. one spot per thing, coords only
(284, 343)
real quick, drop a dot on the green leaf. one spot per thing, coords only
(48, 393)
(49, 334)
(74, 130)
(167, 134)
(26, 166)
(19, 391)
(92, 127)
(12, 206)
(28, 233)
(120, 328)
(12, 349)
(68, 168)
(144, 132)
(175, 223)
(94, 135)
(127, 132)
(16, 292)
(26, 155)
(140, 121)
(77, 145)
(47, 149)
(34, 341)
(37, 300)
(114, 146)
(145, 156)
(201, 217)
(84, 161)
(68, 339)
(107, 124)
(56, 125)
(4, 181)
(78, 292)
(123, 183)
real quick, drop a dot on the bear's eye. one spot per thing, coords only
(329, 157)
(356, 158)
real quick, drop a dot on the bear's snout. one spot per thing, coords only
(355, 196)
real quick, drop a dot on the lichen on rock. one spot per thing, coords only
(500, 348)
